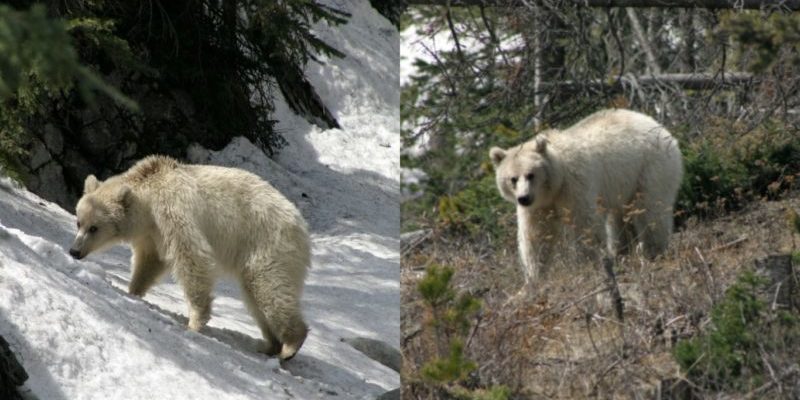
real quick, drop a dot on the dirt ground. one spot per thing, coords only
(562, 339)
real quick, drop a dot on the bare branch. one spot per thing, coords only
(700, 81)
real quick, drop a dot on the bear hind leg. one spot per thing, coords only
(278, 302)
(654, 227)
(272, 346)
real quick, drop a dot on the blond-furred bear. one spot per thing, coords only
(610, 180)
(200, 221)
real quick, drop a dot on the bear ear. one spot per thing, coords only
(541, 144)
(497, 155)
(90, 184)
(124, 195)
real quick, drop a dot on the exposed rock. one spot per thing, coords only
(377, 350)
(129, 150)
(39, 155)
(53, 139)
(183, 102)
(51, 184)
(98, 141)
(12, 374)
(390, 395)
(76, 167)
(782, 287)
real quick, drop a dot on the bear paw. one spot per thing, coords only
(288, 351)
(270, 348)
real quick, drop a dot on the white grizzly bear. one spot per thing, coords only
(613, 177)
(199, 221)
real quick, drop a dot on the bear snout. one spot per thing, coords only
(76, 254)
(525, 200)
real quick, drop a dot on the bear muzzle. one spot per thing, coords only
(76, 254)
(525, 200)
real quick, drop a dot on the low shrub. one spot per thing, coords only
(744, 334)
(447, 374)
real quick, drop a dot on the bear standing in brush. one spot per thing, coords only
(612, 178)
(200, 221)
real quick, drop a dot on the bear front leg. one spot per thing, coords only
(525, 233)
(538, 232)
(147, 267)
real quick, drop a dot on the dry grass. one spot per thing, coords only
(563, 340)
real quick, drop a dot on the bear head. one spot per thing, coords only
(101, 213)
(523, 173)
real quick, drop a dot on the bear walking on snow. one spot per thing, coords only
(613, 177)
(199, 221)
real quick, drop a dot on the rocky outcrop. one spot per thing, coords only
(104, 139)
(377, 350)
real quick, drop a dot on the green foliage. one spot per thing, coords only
(451, 314)
(455, 367)
(36, 50)
(731, 164)
(227, 57)
(742, 331)
(37, 60)
(761, 41)
(475, 210)
(435, 286)
(496, 392)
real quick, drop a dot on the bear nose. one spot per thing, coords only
(524, 200)
(76, 254)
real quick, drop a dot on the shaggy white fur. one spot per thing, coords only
(613, 177)
(199, 221)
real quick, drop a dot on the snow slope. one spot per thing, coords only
(80, 336)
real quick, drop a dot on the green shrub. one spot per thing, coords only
(730, 164)
(455, 367)
(451, 314)
(476, 210)
(37, 62)
(730, 355)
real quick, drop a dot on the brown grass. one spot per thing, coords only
(563, 340)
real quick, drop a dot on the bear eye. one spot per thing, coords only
(514, 180)
(92, 229)
(529, 177)
(79, 224)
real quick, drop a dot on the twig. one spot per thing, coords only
(730, 244)
(613, 287)
(712, 286)
(453, 32)
(415, 240)
(775, 297)
(588, 321)
(606, 371)
(756, 393)
(475, 326)
(767, 364)
(554, 311)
